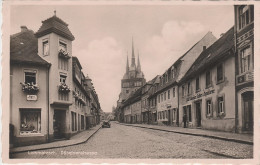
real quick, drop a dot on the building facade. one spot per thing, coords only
(244, 47)
(208, 87)
(53, 99)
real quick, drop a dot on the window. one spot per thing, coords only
(155, 101)
(169, 94)
(197, 84)
(183, 90)
(163, 114)
(208, 107)
(30, 121)
(173, 92)
(63, 78)
(208, 79)
(161, 97)
(246, 59)
(244, 16)
(189, 88)
(45, 46)
(30, 77)
(166, 78)
(82, 122)
(164, 95)
(64, 65)
(220, 73)
(62, 46)
(221, 105)
(127, 91)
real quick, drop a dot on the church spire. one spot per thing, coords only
(133, 54)
(127, 64)
(138, 64)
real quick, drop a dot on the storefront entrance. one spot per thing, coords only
(59, 124)
(248, 110)
(198, 113)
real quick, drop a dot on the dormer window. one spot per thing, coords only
(45, 46)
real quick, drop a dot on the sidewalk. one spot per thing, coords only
(76, 139)
(235, 137)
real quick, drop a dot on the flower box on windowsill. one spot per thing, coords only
(64, 88)
(64, 54)
(30, 88)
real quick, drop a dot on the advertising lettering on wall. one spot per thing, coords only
(199, 95)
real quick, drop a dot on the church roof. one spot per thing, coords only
(55, 25)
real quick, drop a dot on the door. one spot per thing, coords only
(59, 124)
(198, 113)
(248, 98)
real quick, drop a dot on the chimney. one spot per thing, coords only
(23, 28)
(204, 48)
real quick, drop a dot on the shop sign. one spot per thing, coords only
(31, 97)
(199, 95)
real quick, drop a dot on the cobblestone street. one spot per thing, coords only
(121, 141)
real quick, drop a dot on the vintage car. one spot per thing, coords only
(106, 124)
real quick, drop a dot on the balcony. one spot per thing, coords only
(245, 77)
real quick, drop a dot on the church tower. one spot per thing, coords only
(133, 77)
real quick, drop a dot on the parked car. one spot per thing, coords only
(106, 124)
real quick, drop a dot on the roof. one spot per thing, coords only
(75, 59)
(217, 51)
(136, 96)
(24, 48)
(55, 25)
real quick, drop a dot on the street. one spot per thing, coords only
(121, 141)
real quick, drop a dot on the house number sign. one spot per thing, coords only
(31, 97)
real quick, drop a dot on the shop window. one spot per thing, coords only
(246, 59)
(166, 114)
(30, 77)
(169, 94)
(62, 46)
(197, 84)
(221, 108)
(209, 107)
(208, 79)
(30, 121)
(220, 72)
(45, 46)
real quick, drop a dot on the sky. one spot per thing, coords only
(103, 36)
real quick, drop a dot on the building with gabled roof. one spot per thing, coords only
(208, 86)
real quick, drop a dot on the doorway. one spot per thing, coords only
(248, 110)
(59, 123)
(198, 113)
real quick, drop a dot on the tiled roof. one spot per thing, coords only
(24, 48)
(217, 51)
(55, 25)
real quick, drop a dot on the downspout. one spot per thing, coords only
(48, 104)
(236, 71)
(178, 105)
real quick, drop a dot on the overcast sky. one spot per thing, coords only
(103, 35)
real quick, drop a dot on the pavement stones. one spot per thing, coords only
(234, 137)
(76, 139)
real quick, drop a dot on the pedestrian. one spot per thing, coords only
(184, 119)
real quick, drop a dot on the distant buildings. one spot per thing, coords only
(210, 87)
(50, 96)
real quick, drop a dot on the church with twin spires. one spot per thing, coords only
(133, 77)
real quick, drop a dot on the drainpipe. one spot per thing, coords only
(48, 104)
(178, 105)
(236, 71)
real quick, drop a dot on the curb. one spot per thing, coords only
(193, 134)
(65, 145)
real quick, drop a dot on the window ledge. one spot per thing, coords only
(220, 81)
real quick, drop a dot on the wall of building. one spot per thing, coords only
(215, 121)
(19, 101)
